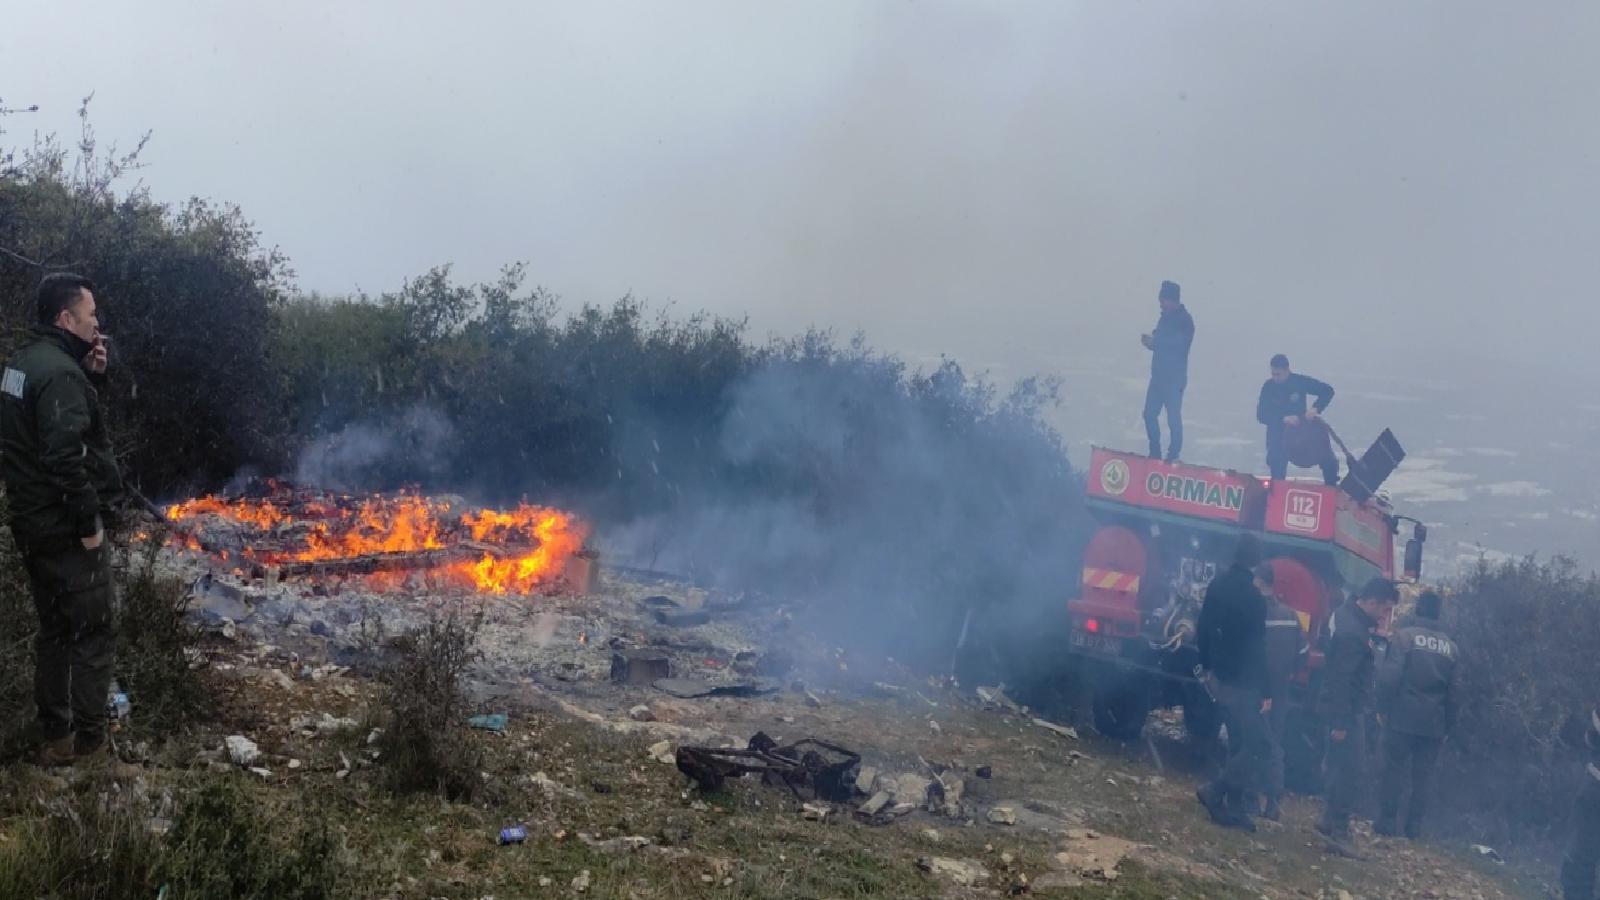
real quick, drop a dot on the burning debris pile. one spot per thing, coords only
(274, 532)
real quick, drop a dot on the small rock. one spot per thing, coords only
(545, 881)
(814, 812)
(934, 727)
(984, 772)
(931, 835)
(582, 882)
(963, 872)
(229, 630)
(600, 787)
(642, 713)
(264, 773)
(661, 752)
(1062, 730)
(1002, 815)
(294, 763)
(242, 750)
(813, 701)
(1007, 859)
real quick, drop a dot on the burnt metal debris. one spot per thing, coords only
(826, 770)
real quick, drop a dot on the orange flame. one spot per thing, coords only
(409, 523)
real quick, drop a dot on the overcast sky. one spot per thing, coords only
(998, 181)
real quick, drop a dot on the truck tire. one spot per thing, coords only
(1121, 707)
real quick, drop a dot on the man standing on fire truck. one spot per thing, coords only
(1169, 371)
(1282, 406)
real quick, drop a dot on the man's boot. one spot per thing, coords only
(56, 754)
(1273, 812)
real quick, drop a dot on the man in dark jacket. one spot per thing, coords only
(61, 481)
(1583, 852)
(1345, 701)
(1231, 636)
(1286, 656)
(1169, 371)
(1282, 405)
(1417, 699)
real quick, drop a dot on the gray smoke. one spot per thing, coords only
(413, 447)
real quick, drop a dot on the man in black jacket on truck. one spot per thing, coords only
(1417, 699)
(1169, 371)
(1282, 406)
(1231, 635)
(1346, 701)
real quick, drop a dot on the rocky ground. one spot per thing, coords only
(973, 796)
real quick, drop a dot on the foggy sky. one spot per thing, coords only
(997, 181)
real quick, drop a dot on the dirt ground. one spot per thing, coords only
(1040, 813)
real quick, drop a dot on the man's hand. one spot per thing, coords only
(1147, 341)
(95, 362)
(1313, 414)
(1266, 706)
(1338, 735)
(94, 541)
(1291, 420)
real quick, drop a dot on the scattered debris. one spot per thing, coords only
(945, 795)
(866, 780)
(495, 722)
(931, 835)
(639, 667)
(827, 769)
(813, 701)
(258, 770)
(814, 812)
(1002, 815)
(687, 618)
(515, 834)
(1062, 730)
(984, 772)
(690, 689)
(242, 750)
(962, 872)
(642, 713)
(582, 882)
(910, 788)
(625, 844)
(996, 696)
(661, 752)
(874, 806)
(934, 727)
(1488, 852)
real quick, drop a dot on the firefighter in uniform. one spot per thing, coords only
(1583, 853)
(61, 482)
(1345, 702)
(1417, 699)
(1286, 655)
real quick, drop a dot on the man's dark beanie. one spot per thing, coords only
(1169, 291)
(1248, 553)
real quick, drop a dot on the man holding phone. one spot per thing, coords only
(61, 482)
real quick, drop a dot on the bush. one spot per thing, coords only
(1528, 632)
(156, 643)
(425, 744)
(96, 842)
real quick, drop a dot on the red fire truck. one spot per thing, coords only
(1165, 529)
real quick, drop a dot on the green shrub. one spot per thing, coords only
(425, 744)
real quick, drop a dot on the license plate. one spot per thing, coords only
(1096, 643)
